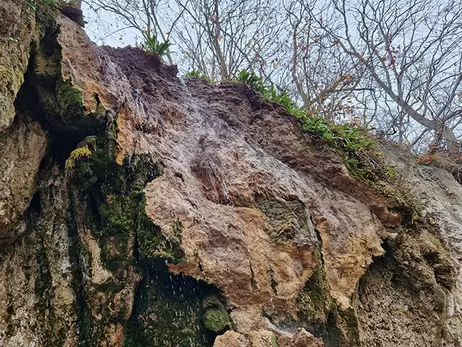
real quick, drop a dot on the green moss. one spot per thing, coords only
(109, 286)
(53, 332)
(84, 321)
(77, 154)
(43, 288)
(64, 109)
(288, 218)
(168, 311)
(211, 301)
(10, 79)
(424, 262)
(115, 211)
(216, 319)
(37, 6)
(154, 244)
(274, 342)
(112, 203)
(60, 100)
(318, 311)
(215, 316)
(117, 196)
(314, 302)
(348, 322)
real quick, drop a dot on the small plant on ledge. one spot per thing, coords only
(197, 74)
(152, 45)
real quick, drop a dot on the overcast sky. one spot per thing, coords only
(105, 29)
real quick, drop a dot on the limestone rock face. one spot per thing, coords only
(138, 209)
(441, 195)
(73, 10)
(231, 339)
(22, 147)
(17, 31)
(36, 292)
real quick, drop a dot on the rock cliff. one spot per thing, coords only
(137, 209)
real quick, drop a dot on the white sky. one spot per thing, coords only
(106, 29)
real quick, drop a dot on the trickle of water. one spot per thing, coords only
(225, 189)
(185, 87)
(140, 109)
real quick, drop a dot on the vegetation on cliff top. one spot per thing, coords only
(375, 62)
(351, 141)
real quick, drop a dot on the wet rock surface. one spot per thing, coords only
(137, 208)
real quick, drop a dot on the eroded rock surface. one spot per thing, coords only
(140, 209)
(16, 37)
(22, 147)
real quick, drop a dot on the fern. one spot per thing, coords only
(152, 45)
(349, 139)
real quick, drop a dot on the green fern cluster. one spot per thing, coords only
(348, 137)
(352, 143)
(349, 141)
(269, 92)
(195, 73)
(252, 80)
(152, 45)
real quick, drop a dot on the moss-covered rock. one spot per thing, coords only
(110, 202)
(117, 196)
(289, 219)
(215, 316)
(168, 311)
(60, 100)
(216, 319)
(314, 301)
(320, 314)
